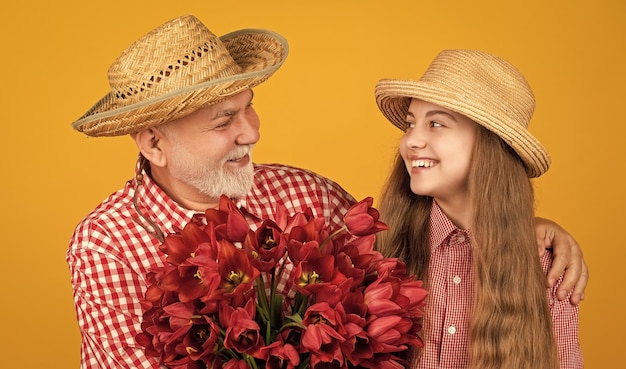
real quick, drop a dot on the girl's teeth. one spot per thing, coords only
(422, 163)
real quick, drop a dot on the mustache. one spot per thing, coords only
(239, 152)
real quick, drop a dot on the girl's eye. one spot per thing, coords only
(409, 125)
(435, 124)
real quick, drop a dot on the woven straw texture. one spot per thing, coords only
(177, 68)
(484, 88)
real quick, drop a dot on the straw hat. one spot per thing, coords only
(177, 68)
(484, 88)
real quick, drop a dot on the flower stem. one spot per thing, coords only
(333, 235)
(300, 304)
(250, 361)
(263, 304)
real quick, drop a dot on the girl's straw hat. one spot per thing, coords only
(176, 69)
(484, 88)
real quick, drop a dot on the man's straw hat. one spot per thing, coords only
(178, 68)
(484, 88)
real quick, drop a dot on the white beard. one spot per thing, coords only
(211, 177)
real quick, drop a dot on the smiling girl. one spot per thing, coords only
(459, 203)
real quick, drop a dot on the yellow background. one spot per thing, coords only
(317, 112)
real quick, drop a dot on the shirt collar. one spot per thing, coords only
(259, 201)
(156, 205)
(169, 215)
(441, 227)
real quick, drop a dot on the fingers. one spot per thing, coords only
(573, 271)
(562, 263)
(578, 294)
(569, 258)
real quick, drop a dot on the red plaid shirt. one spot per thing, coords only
(449, 303)
(113, 248)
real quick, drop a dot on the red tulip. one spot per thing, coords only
(229, 222)
(242, 331)
(321, 328)
(179, 247)
(236, 272)
(316, 272)
(265, 246)
(280, 355)
(362, 219)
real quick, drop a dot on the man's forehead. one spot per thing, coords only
(244, 96)
(231, 104)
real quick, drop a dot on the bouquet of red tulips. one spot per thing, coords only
(289, 294)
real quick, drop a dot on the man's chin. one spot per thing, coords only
(236, 184)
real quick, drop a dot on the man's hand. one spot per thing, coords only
(568, 258)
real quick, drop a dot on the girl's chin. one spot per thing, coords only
(421, 190)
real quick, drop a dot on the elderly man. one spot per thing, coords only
(185, 97)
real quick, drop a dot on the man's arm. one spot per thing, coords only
(106, 298)
(568, 259)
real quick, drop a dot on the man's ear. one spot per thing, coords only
(150, 142)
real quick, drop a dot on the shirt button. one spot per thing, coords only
(460, 238)
(452, 329)
(456, 279)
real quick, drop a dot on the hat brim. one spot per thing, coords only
(257, 65)
(394, 97)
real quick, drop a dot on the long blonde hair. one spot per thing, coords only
(510, 320)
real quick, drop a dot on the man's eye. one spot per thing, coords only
(224, 124)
